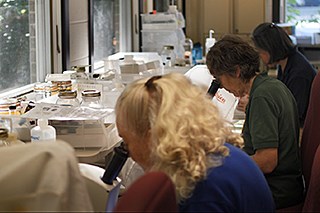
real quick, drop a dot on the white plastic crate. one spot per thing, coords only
(81, 127)
(159, 37)
(159, 21)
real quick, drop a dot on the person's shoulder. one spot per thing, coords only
(235, 163)
(301, 64)
(265, 84)
(264, 76)
(236, 152)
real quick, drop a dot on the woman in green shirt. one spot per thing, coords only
(271, 128)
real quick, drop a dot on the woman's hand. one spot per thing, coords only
(242, 104)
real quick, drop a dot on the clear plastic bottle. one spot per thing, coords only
(68, 98)
(43, 132)
(197, 54)
(91, 98)
(210, 41)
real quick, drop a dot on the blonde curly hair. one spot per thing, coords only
(186, 128)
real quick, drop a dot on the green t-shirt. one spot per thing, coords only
(272, 121)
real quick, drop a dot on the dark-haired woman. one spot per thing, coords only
(276, 48)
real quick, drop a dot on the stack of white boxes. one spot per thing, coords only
(163, 29)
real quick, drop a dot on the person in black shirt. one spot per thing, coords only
(294, 70)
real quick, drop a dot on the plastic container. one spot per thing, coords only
(154, 40)
(131, 66)
(68, 98)
(210, 41)
(180, 19)
(159, 21)
(91, 98)
(43, 132)
(152, 62)
(197, 53)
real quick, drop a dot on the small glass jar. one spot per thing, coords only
(63, 85)
(168, 56)
(188, 45)
(68, 98)
(81, 75)
(80, 72)
(5, 104)
(51, 89)
(39, 91)
(14, 110)
(4, 137)
(91, 98)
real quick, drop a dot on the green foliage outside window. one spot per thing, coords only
(293, 14)
(14, 43)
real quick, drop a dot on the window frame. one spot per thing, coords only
(43, 39)
(125, 26)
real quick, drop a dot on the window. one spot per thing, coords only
(105, 29)
(22, 41)
(100, 28)
(299, 11)
(305, 16)
(15, 39)
(109, 18)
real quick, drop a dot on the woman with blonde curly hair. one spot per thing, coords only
(170, 125)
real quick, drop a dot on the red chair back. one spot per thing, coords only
(309, 142)
(152, 192)
(311, 132)
(312, 201)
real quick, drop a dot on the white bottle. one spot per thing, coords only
(210, 41)
(43, 132)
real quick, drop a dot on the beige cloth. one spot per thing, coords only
(41, 177)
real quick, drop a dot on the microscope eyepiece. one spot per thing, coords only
(120, 155)
(215, 85)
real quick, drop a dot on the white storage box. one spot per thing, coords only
(151, 60)
(159, 21)
(159, 38)
(83, 133)
(82, 127)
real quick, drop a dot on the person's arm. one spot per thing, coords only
(264, 131)
(242, 104)
(266, 159)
